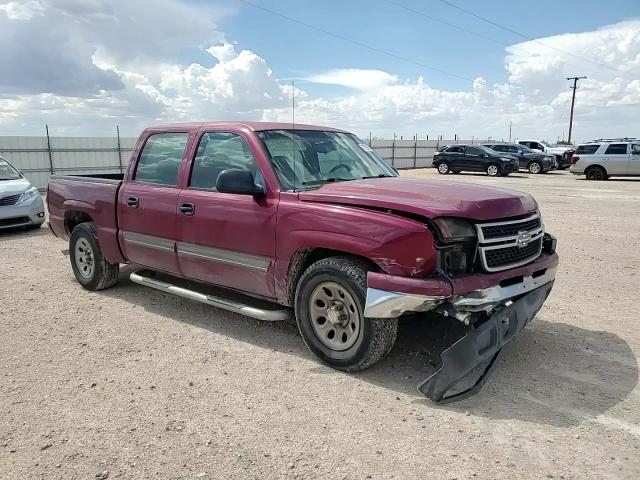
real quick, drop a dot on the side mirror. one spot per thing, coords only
(238, 181)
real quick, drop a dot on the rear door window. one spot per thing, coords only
(587, 149)
(499, 148)
(616, 149)
(455, 150)
(160, 159)
(474, 151)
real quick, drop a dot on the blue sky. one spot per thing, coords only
(94, 65)
(295, 51)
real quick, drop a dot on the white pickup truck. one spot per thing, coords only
(562, 153)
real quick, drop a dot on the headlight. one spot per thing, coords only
(454, 229)
(29, 194)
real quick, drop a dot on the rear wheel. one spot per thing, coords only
(596, 173)
(493, 170)
(90, 268)
(329, 306)
(535, 167)
(443, 168)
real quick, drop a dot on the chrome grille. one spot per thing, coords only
(509, 244)
(10, 200)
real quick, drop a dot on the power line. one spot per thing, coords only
(526, 37)
(355, 42)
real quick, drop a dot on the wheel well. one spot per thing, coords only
(302, 259)
(73, 218)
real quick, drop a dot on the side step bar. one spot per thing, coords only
(260, 314)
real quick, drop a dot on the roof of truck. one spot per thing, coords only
(255, 126)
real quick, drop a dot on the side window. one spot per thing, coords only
(218, 151)
(454, 150)
(511, 149)
(474, 151)
(587, 149)
(616, 149)
(497, 148)
(160, 159)
(536, 146)
(635, 149)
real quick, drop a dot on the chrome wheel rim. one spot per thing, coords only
(492, 170)
(334, 316)
(443, 168)
(84, 258)
(534, 168)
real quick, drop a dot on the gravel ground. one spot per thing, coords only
(132, 383)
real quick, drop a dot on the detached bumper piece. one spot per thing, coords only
(482, 345)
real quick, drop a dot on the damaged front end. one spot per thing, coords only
(495, 307)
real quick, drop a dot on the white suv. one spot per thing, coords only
(607, 157)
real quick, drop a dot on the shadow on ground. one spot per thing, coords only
(553, 373)
(22, 232)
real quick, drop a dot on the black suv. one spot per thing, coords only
(535, 162)
(473, 158)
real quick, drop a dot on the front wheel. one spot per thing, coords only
(90, 268)
(443, 168)
(329, 307)
(493, 170)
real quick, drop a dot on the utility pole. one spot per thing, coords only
(510, 124)
(573, 101)
(293, 104)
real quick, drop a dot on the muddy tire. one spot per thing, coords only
(329, 308)
(90, 268)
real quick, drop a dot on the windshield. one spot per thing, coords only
(545, 144)
(526, 149)
(7, 172)
(305, 159)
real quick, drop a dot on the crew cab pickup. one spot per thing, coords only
(310, 222)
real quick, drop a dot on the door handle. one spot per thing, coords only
(132, 202)
(187, 208)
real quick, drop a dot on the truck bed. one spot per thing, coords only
(72, 199)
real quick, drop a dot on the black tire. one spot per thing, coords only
(596, 173)
(102, 274)
(535, 167)
(375, 337)
(443, 168)
(493, 172)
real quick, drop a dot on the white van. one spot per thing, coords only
(607, 157)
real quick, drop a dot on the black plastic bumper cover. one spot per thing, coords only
(482, 343)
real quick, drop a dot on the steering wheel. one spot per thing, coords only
(338, 167)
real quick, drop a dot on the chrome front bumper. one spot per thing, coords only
(383, 304)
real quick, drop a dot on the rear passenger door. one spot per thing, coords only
(475, 159)
(455, 158)
(616, 159)
(147, 202)
(226, 239)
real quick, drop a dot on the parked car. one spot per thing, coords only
(473, 158)
(530, 160)
(561, 152)
(313, 221)
(20, 203)
(604, 158)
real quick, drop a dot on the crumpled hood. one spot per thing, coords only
(13, 187)
(428, 198)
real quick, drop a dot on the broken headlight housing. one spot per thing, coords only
(457, 247)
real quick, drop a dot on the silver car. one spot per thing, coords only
(20, 203)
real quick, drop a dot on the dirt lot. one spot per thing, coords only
(131, 383)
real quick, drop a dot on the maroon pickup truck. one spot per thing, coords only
(310, 221)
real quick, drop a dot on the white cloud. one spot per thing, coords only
(94, 64)
(22, 10)
(359, 79)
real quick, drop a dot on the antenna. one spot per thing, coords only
(293, 104)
